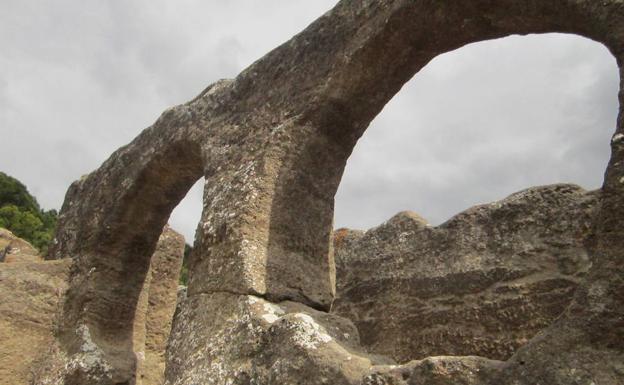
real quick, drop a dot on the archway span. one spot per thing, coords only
(111, 264)
(419, 287)
(372, 70)
(275, 141)
(354, 98)
(482, 122)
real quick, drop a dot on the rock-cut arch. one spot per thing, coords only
(110, 265)
(272, 144)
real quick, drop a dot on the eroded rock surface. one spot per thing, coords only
(34, 293)
(15, 249)
(29, 305)
(444, 370)
(483, 283)
(244, 339)
(162, 294)
(272, 145)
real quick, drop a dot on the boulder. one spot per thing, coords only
(245, 339)
(15, 249)
(162, 293)
(483, 283)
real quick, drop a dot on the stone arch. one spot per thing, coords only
(378, 68)
(385, 287)
(405, 143)
(272, 144)
(110, 264)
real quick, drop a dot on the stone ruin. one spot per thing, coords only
(524, 291)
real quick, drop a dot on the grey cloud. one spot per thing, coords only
(83, 78)
(482, 122)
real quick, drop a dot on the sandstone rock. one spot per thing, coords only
(161, 304)
(249, 340)
(483, 283)
(15, 249)
(437, 371)
(151, 327)
(34, 296)
(272, 145)
(32, 293)
(243, 339)
(181, 293)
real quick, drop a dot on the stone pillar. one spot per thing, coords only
(161, 301)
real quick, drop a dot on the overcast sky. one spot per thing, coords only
(78, 79)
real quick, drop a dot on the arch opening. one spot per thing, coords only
(164, 285)
(521, 111)
(110, 277)
(187, 214)
(516, 112)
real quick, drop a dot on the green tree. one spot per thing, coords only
(22, 223)
(13, 192)
(21, 214)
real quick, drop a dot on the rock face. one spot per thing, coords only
(443, 370)
(243, 339)
(272, 145)
(483, 283)
(15, 249)
(162, 293)
(34, 293)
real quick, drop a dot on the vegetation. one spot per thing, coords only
(21, 214)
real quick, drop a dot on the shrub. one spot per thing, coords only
(21, 214)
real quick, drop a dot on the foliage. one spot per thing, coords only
(13, 192)
(21, 214)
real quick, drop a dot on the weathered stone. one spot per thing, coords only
(272, 145)
(161, 304)
(34, 293)
(29, 305)
(181, 294)
(243, 339)
(437, 371)
(483, 283)
(151, 327)
(139, 332)
(15, 249)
